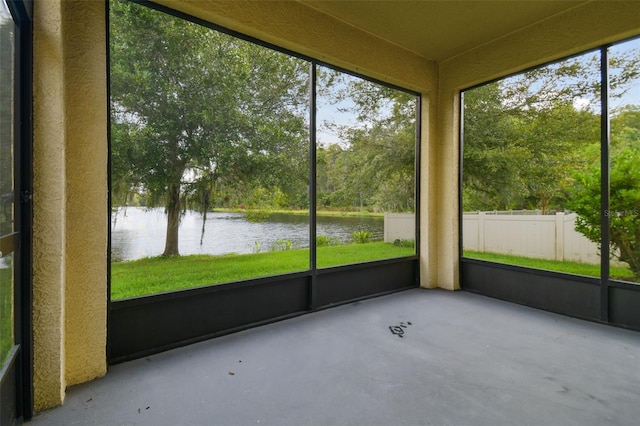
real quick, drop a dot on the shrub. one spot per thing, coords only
(361, 237)
(323, 241)
(623, 212)
(405, 243)
(282, 245)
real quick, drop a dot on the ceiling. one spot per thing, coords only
(439, 29)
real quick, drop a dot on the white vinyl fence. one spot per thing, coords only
(399, 226)
(538, 236)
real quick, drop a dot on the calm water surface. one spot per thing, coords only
(139, 232)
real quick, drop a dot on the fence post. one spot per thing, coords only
(559, 236)
(481, 231)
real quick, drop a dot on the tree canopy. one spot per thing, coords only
(374, 166)
(195, 111)
(203, 119)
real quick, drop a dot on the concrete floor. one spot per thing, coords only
(463, 359)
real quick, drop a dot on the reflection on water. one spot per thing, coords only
(139, 232)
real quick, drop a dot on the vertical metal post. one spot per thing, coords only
(312, 184)
(416, 174)
(109, 168)
(604, 182)
(22, 14)
(460, 177)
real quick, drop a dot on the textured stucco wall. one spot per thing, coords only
(429, 251)
(48, 207)
(86, 122)
(70, 197)
(582, 28)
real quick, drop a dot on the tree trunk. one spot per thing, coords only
(205, 208)
(173, 221)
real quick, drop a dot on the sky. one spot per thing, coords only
(632, 96)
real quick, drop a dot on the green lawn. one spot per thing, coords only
(158, 274)
(6, 313)
(578, 268)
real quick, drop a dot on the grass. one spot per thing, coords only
(578, 268)
(160, 274)
(334, 213)
(6, 313)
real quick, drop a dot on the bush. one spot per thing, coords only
(282, 245)
(361, 237)
(624, 210)
(323, 241)
(405, 243)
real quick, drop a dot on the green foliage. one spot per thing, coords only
(522, 142)
(323, 241)
(405, 243)
(256, 216)
(203, 120)
(7, 103)
(197, 114)
(624, 203)
(282, 245)
(526, 136)
(373, 168)
(6, 312)
(361, 237)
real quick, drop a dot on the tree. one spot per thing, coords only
(624, 187)
(492, 159)
(6, 125)
(525, 135)
(376, 166)
(558, 140)
(194, 110)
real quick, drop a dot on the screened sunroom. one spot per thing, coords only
(180, 173)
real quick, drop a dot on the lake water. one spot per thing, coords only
(140, 232)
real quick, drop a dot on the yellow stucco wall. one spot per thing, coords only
(86, 150)
(70, 145)
(70, 197)
(48, 207)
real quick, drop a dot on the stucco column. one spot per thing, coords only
(70, 196)
(85, 93)
(428, 193)
(446, 207)
(48, 206)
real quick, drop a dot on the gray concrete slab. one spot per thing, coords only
(463, 359)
